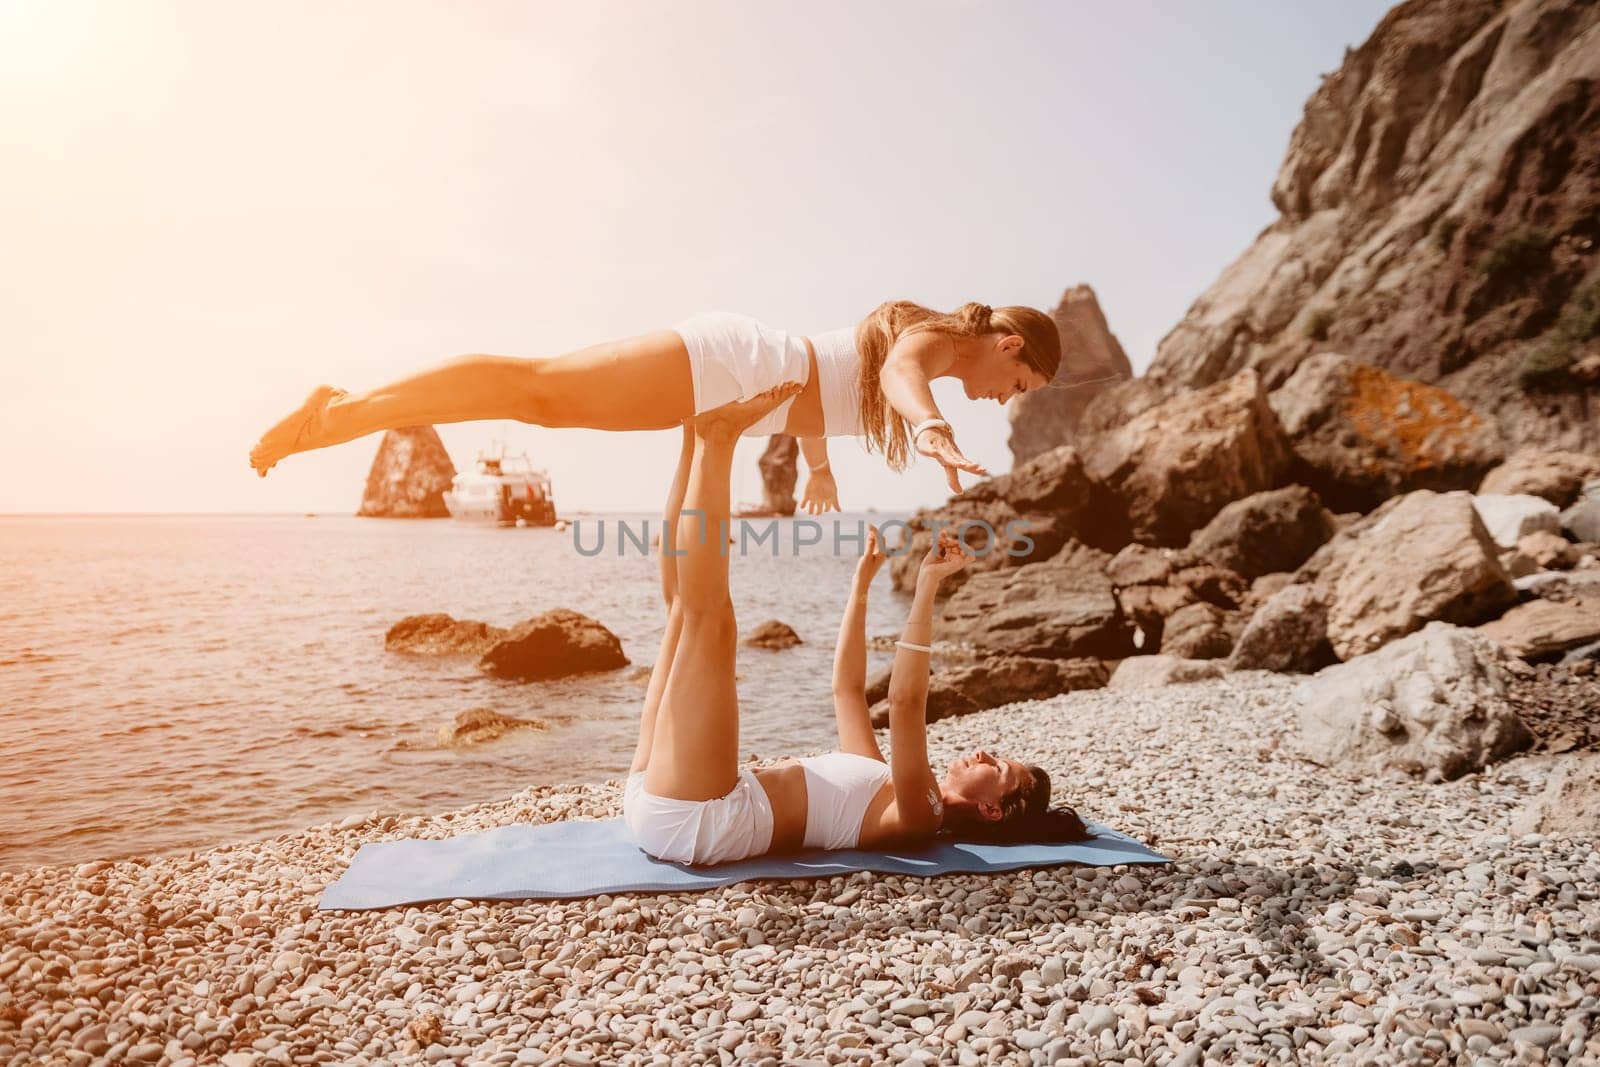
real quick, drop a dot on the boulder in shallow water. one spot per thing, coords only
(477, 725)
(438, 634)
(554, 645)
(1555, 476)
(774, 635)
(1570, 803)
(1433, 705)
(409, 476)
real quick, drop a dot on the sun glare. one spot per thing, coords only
(43, 41)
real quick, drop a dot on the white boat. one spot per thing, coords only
(506, 490)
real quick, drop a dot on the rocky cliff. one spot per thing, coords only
(1440, 213)
(1092, 360)
(409, 476)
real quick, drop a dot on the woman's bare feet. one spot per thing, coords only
(731, 419)
(302, 429)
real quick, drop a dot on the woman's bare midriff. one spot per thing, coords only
(785, 783)
(805, 412)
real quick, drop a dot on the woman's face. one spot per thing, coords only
(997, 371)
(985, 780)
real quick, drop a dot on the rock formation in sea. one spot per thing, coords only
(409, 476)
(778, 474)
(1439, 218)
(554, 644)
(1092, 360)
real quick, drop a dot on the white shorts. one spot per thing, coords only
(734, 357)
(729, 828)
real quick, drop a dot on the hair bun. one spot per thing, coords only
(978, 314)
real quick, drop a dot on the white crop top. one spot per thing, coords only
(839, 789)
(839, 379)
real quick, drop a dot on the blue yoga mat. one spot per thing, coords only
(584, 858)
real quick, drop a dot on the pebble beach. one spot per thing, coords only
(1305, 918)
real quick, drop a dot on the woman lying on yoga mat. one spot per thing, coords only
(870, 380)
(687, 800)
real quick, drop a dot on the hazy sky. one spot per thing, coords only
(209, 207)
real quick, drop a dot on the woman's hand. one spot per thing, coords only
(822, 493)
(939, 444)
(872, 558)
(946, 556)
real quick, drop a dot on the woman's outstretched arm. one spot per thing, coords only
(914, 361)
(850, 659)
(908, 680)
(821, 492)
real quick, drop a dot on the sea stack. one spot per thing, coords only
(409, 476)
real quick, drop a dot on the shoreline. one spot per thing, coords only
(1304, 916)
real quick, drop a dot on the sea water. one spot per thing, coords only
(173, 682)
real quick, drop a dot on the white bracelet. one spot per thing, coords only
(914, 648)
(927, 424)
(819, 467)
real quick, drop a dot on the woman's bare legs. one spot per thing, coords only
(669, 594)
(695, 754)
(639, 383)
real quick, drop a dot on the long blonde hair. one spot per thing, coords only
(885, 429)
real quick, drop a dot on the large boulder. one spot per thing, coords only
(1426, 557)
(1556, 476)
(1092, 360)
(409, 476)
(1361, 435)
(1510, 518)
(1432, 705)
(1024, 516)
(1273, 531)
(1148, 672)
(1570, 802)
(1180, 462)
(1289, 633)
(1060, 609)
(1436, 215)
(1543, 629)
(554, 645)
(1000, 680)
(1199, 631)
(1582, 519)
(1153, 585)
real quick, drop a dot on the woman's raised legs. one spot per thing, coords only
(639, 383)
(695, 752)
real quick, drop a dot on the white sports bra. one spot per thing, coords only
(839, 789)
(839, 379)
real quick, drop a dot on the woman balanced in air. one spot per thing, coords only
(687, 800)
(870, 380)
